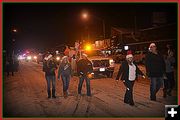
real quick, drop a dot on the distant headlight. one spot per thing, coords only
(35, 57)
(20, 57)
(57, 58)
(29, 57)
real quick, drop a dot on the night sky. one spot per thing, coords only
(46, 25)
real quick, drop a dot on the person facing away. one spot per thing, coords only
(65, 71)
(49, 67)
(155, 69)
(84, 67)
(129, 72)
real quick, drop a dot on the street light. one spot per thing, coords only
(85, 16)
(13, 43)
(14, 30)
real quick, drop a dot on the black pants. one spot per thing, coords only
(128, 97)
(169, 82)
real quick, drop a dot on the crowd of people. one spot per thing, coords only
(159, 70)
(66, 70)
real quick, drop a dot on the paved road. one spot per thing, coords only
(25, 95)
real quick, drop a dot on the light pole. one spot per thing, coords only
(103, 25)
(13, 44)
(85, 16)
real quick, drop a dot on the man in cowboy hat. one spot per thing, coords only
(84, 67)
(49, 67)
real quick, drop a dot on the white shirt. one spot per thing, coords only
(132, 72)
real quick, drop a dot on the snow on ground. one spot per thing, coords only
(25, 95)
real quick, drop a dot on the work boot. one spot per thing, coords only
(49, 94)
(53, 93)
(65, 94)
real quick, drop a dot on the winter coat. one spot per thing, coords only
(124, 71)
(49, 68)
(170, 61)
(155, 65)
(84, 66)
(64, 69)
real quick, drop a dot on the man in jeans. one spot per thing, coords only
(84, 67)
(155, 68)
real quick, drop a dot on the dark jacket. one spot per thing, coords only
(49, 68)
(84, 67)
(124, 71)
(155, 65)
(64, 69)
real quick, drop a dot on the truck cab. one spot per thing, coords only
(100, 62)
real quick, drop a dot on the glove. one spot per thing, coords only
(144, 76)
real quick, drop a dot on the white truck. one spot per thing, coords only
(101, 63)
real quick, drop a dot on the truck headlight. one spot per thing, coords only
(29, 57)
(111, 62)
(35, 57)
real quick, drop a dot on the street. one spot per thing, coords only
(25, 95)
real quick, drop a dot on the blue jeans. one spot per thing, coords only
(155, 85)
(65, 80)
(51, 79)
(81, 80)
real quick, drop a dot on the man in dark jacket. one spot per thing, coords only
(155, 69)
(84, 67)
(129, 72)
(49, 67)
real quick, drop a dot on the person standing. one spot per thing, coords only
(65, 72)
(9, 65)
(169, 82)
(84, 67)
(49, 67)
(155, 69)
(129, 72)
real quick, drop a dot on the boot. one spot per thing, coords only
(65, 94)
(53, 93)
(49, 94)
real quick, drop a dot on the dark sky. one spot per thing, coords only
(46, 25)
